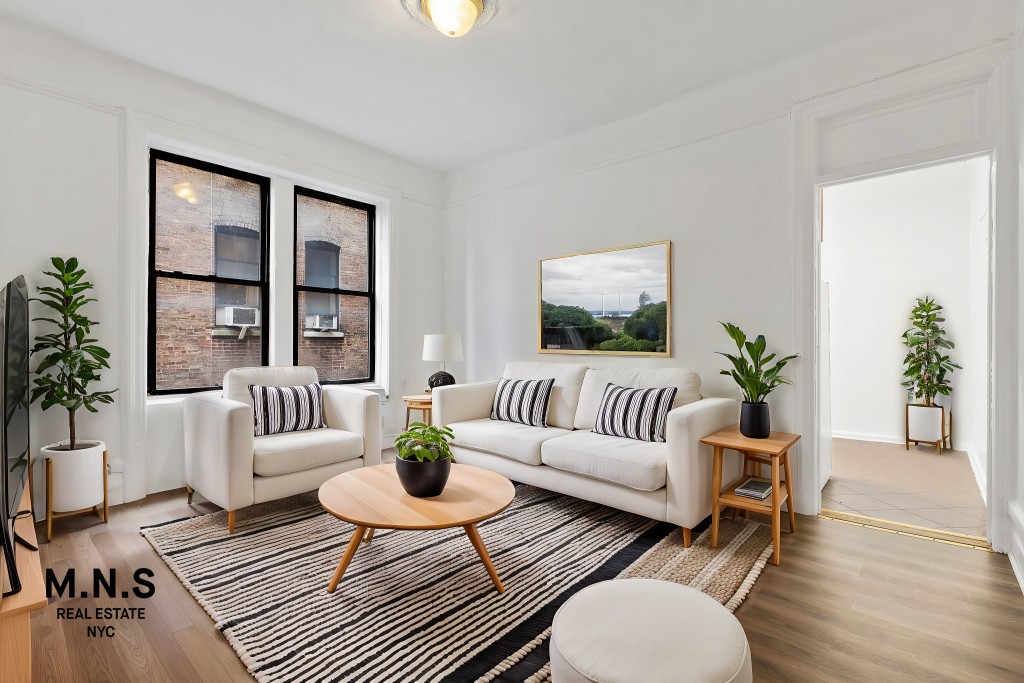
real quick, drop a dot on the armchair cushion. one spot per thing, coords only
(277, 454)
(237, 380)
(639, 465)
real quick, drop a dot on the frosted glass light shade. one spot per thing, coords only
(442, 347)
(453, 18)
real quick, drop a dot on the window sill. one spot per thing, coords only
(223, 331)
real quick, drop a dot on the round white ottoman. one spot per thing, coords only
(643, 630)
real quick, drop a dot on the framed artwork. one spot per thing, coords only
(612, 302)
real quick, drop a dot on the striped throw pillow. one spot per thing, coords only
(287, 409)
(523, 400)
(634, 413)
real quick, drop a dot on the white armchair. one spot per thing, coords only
(230, 467)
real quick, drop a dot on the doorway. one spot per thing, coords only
(887, 242)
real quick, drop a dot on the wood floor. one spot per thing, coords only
(847, 604)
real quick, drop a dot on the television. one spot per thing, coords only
(14, 435)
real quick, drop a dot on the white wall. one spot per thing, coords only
(887, 241)
(713, 172)
(63, 166)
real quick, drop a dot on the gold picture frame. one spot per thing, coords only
(570, 331)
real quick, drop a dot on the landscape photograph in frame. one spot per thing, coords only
(613, 302)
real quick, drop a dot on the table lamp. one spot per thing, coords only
(441, 347)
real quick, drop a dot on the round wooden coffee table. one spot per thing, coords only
(373, 498)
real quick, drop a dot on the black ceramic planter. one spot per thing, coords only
(754, 422)
(423, 479)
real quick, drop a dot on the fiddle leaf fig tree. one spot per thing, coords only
(71, 359)
(925, 366)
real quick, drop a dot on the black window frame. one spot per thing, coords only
(263, 283)
(371, 284)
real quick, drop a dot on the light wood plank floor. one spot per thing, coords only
(847, 604)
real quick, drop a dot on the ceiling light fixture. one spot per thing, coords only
(453, 18)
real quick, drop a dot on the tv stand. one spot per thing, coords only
(15, 610)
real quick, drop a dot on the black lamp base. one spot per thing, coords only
(440, 379)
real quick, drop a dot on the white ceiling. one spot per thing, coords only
(542, 69)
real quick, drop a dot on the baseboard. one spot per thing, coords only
(980, 472)
(1016, 554)
(858, 436)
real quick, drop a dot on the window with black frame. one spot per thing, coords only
(334, 286)
(209, 286)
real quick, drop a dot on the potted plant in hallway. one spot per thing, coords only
(424, 459)
(70, 361)
(925, 375)
(755, 378)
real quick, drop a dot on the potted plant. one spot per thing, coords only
(925, 373)
(756, 379)
(424, 459)
(71, 361)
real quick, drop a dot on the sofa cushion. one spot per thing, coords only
(686, 382)
(565, 395)
(510, 439)
(276, 454)
(523, 400)
(637, 464)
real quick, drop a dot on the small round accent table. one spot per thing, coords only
(423, 403)
(373, 498)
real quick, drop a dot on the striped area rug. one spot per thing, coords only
(418, 605)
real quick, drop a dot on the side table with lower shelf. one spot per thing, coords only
(772, 451)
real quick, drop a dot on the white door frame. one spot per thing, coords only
(980, 79)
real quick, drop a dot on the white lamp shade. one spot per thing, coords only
(442, 347)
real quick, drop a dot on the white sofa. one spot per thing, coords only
(232, 468)
(668, 481)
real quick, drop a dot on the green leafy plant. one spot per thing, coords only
(424, 443)
(71, 359)
(750, 368)
(925, 366)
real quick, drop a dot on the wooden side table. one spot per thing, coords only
(773, 451)
(420, 402)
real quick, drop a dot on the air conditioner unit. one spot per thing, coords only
(238, 316)
(322, 322)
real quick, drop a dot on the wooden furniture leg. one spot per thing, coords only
(789, 493)
(478, 543)
(408, 412)
(776, 512)
(687, 537)
(751, 467)
(191, 491)
(49, 499)
(106, 503)
(369, 536)
(350, 552)
(716, 491)
(231, 522)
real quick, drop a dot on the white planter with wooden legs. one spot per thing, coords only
(932, 425)
(76, 481)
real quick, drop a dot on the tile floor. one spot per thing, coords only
(918, 486)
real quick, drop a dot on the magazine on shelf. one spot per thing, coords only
(755, 488)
